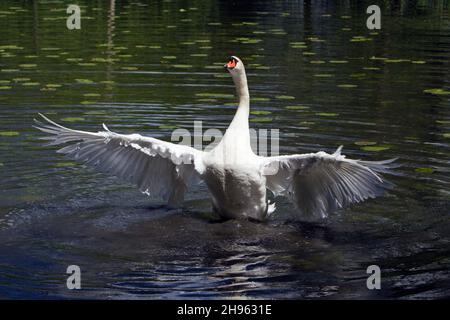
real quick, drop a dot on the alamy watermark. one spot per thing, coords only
(73, 22)
(74, 280)
(374, 20)
(374, 280)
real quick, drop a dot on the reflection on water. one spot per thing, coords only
(315, 73)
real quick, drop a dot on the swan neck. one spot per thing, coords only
(240, 81)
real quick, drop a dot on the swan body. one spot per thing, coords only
(237, 178)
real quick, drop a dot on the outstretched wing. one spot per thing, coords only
(319, 182)
(157, 167)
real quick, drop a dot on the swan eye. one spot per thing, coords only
(231, 63)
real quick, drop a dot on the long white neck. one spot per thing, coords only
(236, 141)
(240, 120)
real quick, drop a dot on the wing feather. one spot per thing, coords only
(319, 183)
(157, 167)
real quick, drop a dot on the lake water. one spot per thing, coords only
(315, 72)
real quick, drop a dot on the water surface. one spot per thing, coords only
(315, 73)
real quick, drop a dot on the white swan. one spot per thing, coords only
(236, 177)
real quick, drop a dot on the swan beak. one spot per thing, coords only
(230, 64)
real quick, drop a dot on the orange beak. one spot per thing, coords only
(231, 64)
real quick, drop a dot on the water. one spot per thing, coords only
(317, 74)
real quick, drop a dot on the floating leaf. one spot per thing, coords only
(347, 86)
(297, 107)
(53, 85)
(65, 164)
(72, 119)
(21, 79)
(283, 97)
(182, 66)
(11, 47)
(167, 126)
(214, 95)
(338, 61)
(28, 65)
(327, 114)
(375, 148)
(84, 81)
(424, 170)
(396, 60)
(365, 143)
(260, 112)
(262, 119)
(437, 91)
(9, 133)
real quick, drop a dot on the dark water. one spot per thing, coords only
(315, 72)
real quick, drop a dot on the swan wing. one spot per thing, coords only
(319, 183)
(157, 167)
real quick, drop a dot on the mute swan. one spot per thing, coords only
(236, 177)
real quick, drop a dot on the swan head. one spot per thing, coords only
(234, 65)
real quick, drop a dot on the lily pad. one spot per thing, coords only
(65, 164)
(21, 79)
(260, 112)
(53, 85)
(182, 66)
(260, 99)
(323, 75)
(9, 133)
(297, 107)
(214, 95)
(365, 143)
(84, 81)
(338, 61)
(327, 114)
(424, 170)
(437, 91)
(72, 119)
(284, 97)
(375, 148)
(262, 119)
(28, 65)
